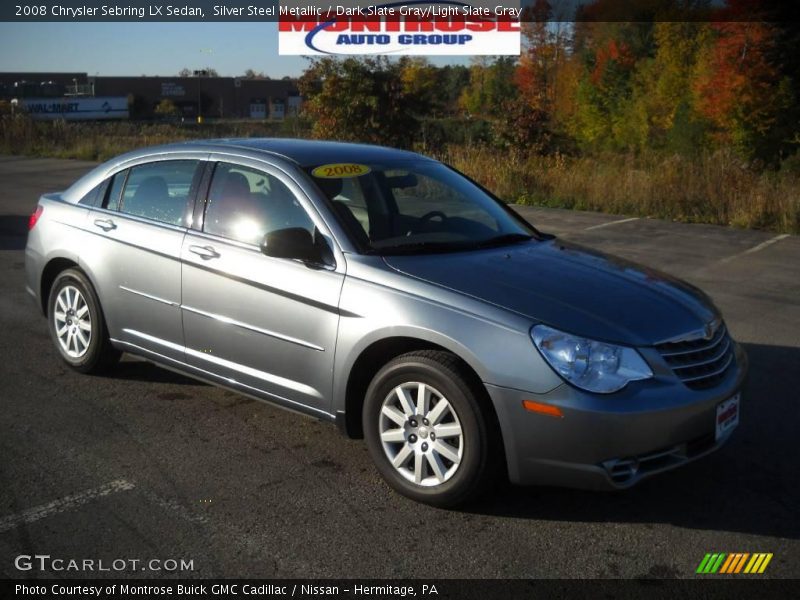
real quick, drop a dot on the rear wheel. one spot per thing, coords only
(426, 429)
(77, 325)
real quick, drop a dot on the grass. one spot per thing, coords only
(710, 188)
(100, 141)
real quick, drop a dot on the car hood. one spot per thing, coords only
(572, 288)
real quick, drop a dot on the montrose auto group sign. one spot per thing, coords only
(397, 28)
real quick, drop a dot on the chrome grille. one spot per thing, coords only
(700, 363)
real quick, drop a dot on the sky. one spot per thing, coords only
(150, 48)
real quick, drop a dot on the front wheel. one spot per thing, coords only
(426, 429)
(77, 325)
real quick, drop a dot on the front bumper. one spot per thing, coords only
(611, 442)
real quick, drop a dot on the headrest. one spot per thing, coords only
(154, 187)
(236, 185)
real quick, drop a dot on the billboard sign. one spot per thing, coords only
(76, 108)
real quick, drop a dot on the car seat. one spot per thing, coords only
(151, 199)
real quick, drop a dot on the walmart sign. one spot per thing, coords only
(76, 109)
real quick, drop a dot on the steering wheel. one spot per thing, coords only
(423, 220)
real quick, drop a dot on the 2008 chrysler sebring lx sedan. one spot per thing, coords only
(386, 292)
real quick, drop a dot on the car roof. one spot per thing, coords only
(304, 153)
(311, 152)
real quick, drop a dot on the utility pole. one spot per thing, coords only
(200, 73)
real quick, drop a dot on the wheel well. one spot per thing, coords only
(376, 356)
(49, 274)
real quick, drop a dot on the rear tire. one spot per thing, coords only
(427, 429)
(77, 325)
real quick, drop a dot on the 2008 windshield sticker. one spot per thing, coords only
(340, 171)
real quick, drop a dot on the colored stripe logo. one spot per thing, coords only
(734, 563)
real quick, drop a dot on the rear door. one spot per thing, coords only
(135, 253)
(267, 324)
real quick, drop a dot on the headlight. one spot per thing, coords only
(587, 364)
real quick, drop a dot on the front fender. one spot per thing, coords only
(385, 304)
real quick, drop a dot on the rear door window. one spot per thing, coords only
(161, 191)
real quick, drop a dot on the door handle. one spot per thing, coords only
(204, 252)
(105, 224)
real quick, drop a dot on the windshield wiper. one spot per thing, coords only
(502, 240)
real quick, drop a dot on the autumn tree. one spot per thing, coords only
(658, 111)
(741, 91)
(420, 85)
(665, 87)
(544, 53)
(604, 94)
(670, 80)
(546, 79)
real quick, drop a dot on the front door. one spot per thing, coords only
(267, 324)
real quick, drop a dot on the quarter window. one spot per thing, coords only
(111, 201)
(91, 198)
(245, 204)
(160, 191)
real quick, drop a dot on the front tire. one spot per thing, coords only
(77, 325)
(427, 429)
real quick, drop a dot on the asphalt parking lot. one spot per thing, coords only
(147, 464)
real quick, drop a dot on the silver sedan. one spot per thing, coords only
(387, 293)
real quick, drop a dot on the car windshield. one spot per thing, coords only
(415, 207)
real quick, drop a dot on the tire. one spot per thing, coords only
(77, 326)
(424, 469)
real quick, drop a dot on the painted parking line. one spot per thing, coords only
(63, 504)
(757, 248)
(609, 223)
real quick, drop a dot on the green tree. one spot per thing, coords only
(491, 85)
(661, 90)
(451, 81)
(360, 99)
(253, 74)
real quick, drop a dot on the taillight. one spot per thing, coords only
(35, 217)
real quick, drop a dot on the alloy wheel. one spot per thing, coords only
(421, 434)
(73, 322)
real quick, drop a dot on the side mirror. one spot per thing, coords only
(293, 242)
